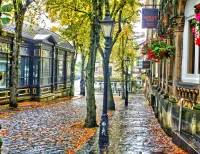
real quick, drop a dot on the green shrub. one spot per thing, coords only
(172, 100)
(166, 95)
(139, 86)
(197, 107)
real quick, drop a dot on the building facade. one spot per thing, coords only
(174, 83)
(44, 65)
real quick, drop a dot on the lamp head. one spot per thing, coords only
(107, 25)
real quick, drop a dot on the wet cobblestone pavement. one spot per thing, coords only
(44, 130)
(134, 131)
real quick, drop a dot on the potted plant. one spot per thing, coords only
(156, 49)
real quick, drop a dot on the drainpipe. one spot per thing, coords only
(180, 115)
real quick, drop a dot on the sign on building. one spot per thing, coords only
(146, 65)
(149, 18)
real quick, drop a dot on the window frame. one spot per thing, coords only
(61, 52)
(7, 54)
(186, 77)
(49, 58)
(68, 68)
(139, 62)
(27, 57)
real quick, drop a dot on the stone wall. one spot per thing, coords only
(168, 115)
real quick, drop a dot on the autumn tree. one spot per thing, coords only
(124, 47)
(71, 14)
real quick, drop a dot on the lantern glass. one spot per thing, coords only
(107, 28)
(127, 61)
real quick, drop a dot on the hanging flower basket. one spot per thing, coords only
(157, 49)
(197, 8)
(196, 23)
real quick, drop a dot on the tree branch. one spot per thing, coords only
(100, 50)
(119, 28)
(28, 2)
(118, 9)
(113, 8)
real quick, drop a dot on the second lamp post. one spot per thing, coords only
(127, 62)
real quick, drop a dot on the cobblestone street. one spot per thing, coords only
(44, 130)
(134, 131)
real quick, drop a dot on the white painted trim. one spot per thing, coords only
(192, 78)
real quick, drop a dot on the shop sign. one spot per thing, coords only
(146, 65)
(149, 18)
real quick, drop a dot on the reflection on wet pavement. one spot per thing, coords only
(134, 130)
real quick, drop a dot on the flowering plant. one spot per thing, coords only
(156, 49)
(196, 28)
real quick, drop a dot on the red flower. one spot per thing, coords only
(198, 17)
(198, 6)
(157, 60)
(198, 41)
(161, 38)
(163, 51)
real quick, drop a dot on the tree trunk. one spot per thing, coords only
(122, 85)
(82, 82)
(122, 66)
(111, 104)
(19, 12)
(14, 60)
(110, 100)
(72, 75)
(90, 120)
(14, 72)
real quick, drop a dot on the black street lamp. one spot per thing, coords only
(127, 61)
(107, 26)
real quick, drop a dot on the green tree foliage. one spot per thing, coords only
(5, 13)
(79, 22)
(126, 13)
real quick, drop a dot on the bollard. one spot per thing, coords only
(180, 115)
(119, 92)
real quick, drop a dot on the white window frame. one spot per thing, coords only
(186, 77)
(139, 62)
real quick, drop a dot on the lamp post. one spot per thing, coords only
(127, 62)
(107, 26)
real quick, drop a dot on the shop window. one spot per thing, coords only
(60, 63)
(139, 80)
(24, 63)
(4, 65)
(69, 57)
(139, 62)
(46, 67)
(35, 67)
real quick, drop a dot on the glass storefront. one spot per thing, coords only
(69, 56)
(4, 65)
(60, 66)
(24, 67)
(35, 67)
(46, 67)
